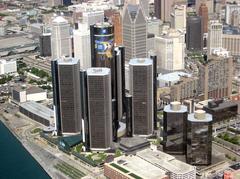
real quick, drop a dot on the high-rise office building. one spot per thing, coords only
(141, 89)
(199, 138)
(45, 44)
(129, 120)
(61, 43)
(194, 36)
(67, 95)
(215, 33)
(116, 20)
(209, 4)
(91, 17)
(174, 128)
(99, 108)
(102, 44)
(203, 12)
(229, 10)
(179, 17)
(82, 46)
(215, 77)
(134, 32)
(170, 48)
(157, 8)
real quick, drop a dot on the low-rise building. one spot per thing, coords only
(7, 67)
(221, 110)
(37, 112)
(148, 164)
(21, 94)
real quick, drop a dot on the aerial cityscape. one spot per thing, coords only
(120, 89)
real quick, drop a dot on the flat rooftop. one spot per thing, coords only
(98, 71)
(223, 105)
(174, 76)
(38, 109)
(130, 142)
(14, 41)
(165, 161)
(141, 61)
(133, 164)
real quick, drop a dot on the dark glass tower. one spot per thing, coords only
(174, 128)
(194, 35)
(199, 138)
(153, 56)
(67, 95)
(45, 44)
(129, 125)
(99, 108)
(56, 103)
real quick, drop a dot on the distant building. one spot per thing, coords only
(20, 94)
(116, 20)
(174, 128)
(61, 43)
(215, 77)
(141, 89)
(45, 44)
(82, 46)
(199, 138)
(231, 40)
(186, 88)
(170, 48)
(203, 12)
(99, 108)
(194, 34)
(91, 17)
(179, 17)
(7, 67)
(134, 32)
(215, 32)
(209, 4)
(230, 8)
(67, 95)
(221, 110)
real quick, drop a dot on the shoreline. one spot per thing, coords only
(26, 147)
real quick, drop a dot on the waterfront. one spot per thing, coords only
(16, 162)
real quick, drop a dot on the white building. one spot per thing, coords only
(61, 38)
(92, 17)
(8, 66)
(215, 36)
(20, 94)
(179, 17)
(170, 50)
(230, 8)
(82, 46)
(153, 26)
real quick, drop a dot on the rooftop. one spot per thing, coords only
(135, 165)
(140, 61)
(168, 108)
(173, 77)
(98, 71)
(34, 89)
(192, 118)
(67, 61)
(38, 109)
(132, 141)
(165, 161)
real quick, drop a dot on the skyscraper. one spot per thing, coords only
(67, 95)
(174, 128)
(45, 44)
(215, 33)
(194, 36)
(179, 17)
(203, 12)
(61, 44)
(99, 108)
(134, 32)
(170, 49)
(141, 89)
(199, 138)
(102, 44)
(157, 8)
(117, 23)
(82, 46)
